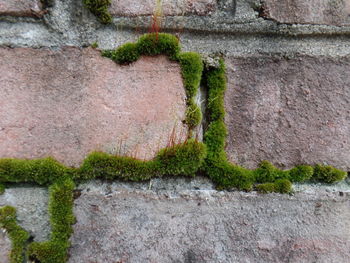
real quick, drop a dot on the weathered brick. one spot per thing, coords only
(288, 111)
(20, 7)
(207, 226)
(329, 12)
(169, 7)
(5, 247)
(70, 102)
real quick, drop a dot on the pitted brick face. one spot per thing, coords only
(70, 102)
(20, 7)
(288, 111)
(328, 12)
(169, 7)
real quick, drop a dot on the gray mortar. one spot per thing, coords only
(234, 29)
(172, 223)
(32, 209)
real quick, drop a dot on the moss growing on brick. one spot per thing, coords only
(17, 235)
(61, 218)
(269, 173)
(283, 186)
(328, 174)
(166, 44)
(100, 9)
(301, 173)
(41, 171)
(182, 159)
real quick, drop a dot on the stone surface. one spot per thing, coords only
(125, 225)
(70, 102)
(20, 7)
(5, 247)
(288, 111)
(169, 7)
(31, 204)
(328, 12)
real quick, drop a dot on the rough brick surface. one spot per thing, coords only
(209, 226)
(288, 111)
(5, 247)
(20, 7)
(329, 12)
(70, 102)
(169, 7)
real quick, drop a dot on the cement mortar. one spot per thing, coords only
(32, 209)
(198, 224)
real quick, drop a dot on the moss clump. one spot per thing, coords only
(159, 44)
(184, 159)
(301, 173)
(61, 219)
(127, 53)
(18, 235)
(41, 171)
(328, 174)
(100, 9)
(269, 173)
(283, 186)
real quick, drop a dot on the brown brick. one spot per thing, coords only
(169, 7)
(328, 12)
(20, 7)
(70, 102)
(288, 111)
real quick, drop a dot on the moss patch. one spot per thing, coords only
(18, 235)
(100, 9)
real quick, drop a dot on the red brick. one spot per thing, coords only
(288, 111)
(70, 102)
(20, 7)
(169, 7)
(329, 12)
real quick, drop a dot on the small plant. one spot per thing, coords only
(100, 9)
(156, 18)
(328, 174)
(94, 45)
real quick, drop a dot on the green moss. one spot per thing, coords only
(328, 174)
(18, 235)
(61, 218)
(94, 45)
(193, 116)
(301, 173)
(2, 189)
(100, 9)
(159, 44)
(283, 186)
(184, 159)
(269, 173)
(41, 171)
(127, 53)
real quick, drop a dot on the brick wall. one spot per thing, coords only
(287, 101)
